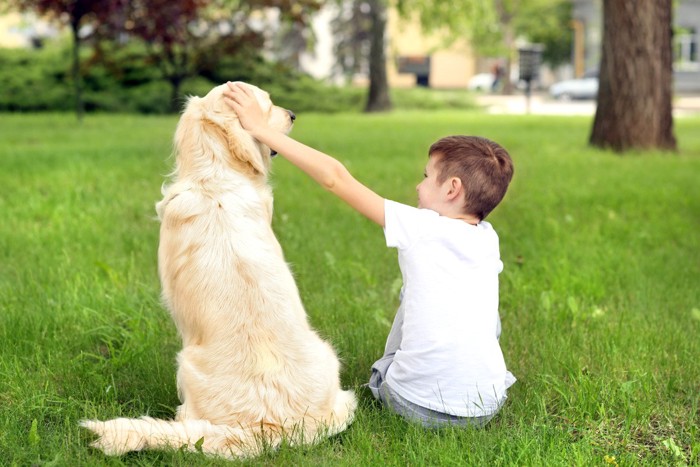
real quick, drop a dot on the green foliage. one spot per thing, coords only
(123, 79)
(487, 24)
(35, 79)
(307, 95)
(476, 20)
(599, 296)
(548, 23)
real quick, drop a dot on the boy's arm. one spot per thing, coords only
(328, 172)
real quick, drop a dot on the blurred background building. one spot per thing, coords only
(418, 59)
(587, 23)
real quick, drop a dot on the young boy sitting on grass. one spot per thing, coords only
(442, 363)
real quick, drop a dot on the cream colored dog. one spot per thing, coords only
(252, 372)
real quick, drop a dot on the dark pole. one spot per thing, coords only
(530, 58)
(77, 80)
(528, 84)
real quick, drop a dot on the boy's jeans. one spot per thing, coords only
(415, 413)
(408, 410)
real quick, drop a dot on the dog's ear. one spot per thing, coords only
(244, 147)
(221, 120)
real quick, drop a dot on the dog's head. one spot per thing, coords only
(209, 136)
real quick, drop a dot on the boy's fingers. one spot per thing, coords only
(238, 96)
(231, 102)
(244, 89)
(233, 89)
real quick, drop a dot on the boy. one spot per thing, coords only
(442, 363)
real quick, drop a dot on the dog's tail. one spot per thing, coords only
(122, 435)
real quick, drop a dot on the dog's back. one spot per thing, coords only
(252, 372)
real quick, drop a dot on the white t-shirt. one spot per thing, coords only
(449, 359)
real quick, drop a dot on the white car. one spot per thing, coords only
(581, 88)
(480, 82)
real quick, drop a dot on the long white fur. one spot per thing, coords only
(252, 372)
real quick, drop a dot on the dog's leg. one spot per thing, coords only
(185, 375)
(343, 411)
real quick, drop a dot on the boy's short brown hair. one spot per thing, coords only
(484, 168)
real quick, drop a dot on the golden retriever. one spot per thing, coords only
(252, 372)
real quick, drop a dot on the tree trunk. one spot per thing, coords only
(509, 42)
(175, 100)
(77, 79)
(378, 99)
(636, 77)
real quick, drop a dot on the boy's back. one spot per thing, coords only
(449, 359)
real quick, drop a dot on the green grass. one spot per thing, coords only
(600, 296)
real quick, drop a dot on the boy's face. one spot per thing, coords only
(431, 194)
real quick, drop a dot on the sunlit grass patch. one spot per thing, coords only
(599, 296)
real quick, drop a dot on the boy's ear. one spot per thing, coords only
(454, 188)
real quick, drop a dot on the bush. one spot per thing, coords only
(35, 80)
(304, 94)
(123, 79)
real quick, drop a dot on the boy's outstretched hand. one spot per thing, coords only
(242, 100)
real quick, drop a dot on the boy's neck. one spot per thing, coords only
(469, 219)
(458, 215)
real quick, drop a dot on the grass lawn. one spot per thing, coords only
(600, 296)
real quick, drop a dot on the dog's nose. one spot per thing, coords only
(291, 115)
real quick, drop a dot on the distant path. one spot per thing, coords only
(542, 104)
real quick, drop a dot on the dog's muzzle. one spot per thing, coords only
(292, 117)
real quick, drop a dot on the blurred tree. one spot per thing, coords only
(351, 34)
(359, 33)
(171, 31)
(292, 40)
(547, 23)
(378, 99)
(190, 37)
(636, 77)
(77, 13)
(215, 39)
(492, 27)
